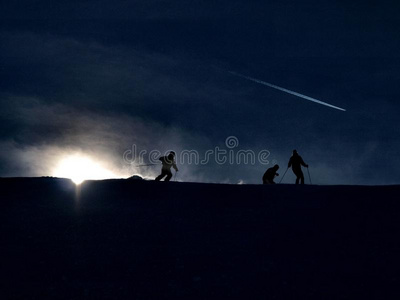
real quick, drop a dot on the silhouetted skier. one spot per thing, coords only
(270, 174)
(296, 162)
(167, 163)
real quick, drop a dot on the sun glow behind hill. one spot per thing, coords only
(80, 168)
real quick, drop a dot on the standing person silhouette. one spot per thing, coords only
(167, 163)
(296, 162)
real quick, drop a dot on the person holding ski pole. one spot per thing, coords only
(296, 162)
(270, 174)
(168, 162)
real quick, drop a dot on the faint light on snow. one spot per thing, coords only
(80, 168)
(240, 181)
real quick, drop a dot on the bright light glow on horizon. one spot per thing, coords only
(80, 168)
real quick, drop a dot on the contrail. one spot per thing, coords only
(286, 90)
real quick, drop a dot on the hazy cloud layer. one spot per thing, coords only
(67, 88)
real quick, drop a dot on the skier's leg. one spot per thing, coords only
(301, 177)
(161, 176)
(169, 175)
(298, 175)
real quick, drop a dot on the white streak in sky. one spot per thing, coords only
(286, 90)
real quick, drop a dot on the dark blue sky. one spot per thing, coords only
(99, 76)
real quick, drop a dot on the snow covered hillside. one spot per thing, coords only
(136, 239)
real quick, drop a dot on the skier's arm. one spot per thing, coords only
(303, 163)
(175, 167)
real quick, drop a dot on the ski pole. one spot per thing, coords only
(146, 165)
(284, 175)
(308, 171)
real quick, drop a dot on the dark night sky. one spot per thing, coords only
(96, 77)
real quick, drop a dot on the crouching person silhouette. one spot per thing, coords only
(270, 174)
(296, 162)
(167, 163)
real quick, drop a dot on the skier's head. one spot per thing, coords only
(276, 167)
(295, 152)
(171, 155)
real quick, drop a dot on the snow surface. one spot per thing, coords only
(137, 239)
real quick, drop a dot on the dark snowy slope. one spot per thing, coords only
(132, 239)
